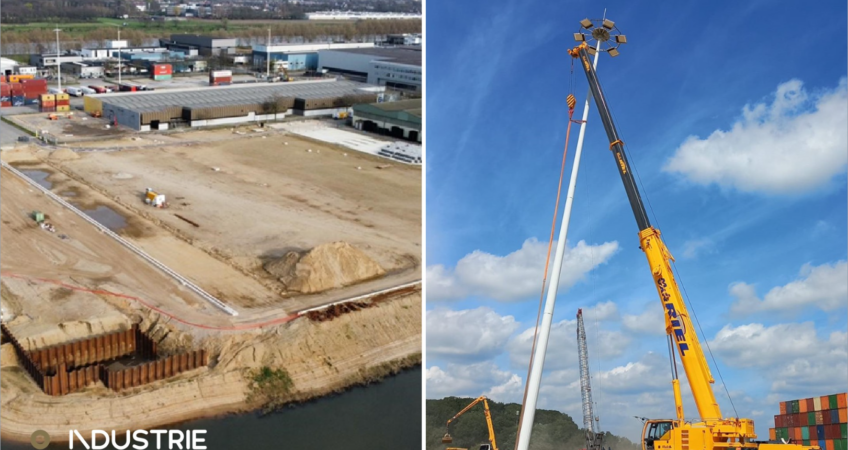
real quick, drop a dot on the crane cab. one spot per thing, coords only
(485, 447)
(656, 435)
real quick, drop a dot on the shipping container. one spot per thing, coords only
(17, 100)
(834, 416)
(48, 103)
(802, 405)
(162, 77)
(817, 406)
(822, 444)
(811, 418)
(843, 430)
(782, 407)
(827, 417)
(63, 108)
(5, 103)
(805, 433)
(162, 69)
(825, 402)
(841, 444)
(834, 404)
(772, 436)
(807, 442)
(819, 432)
(819, 417)
(829, 445)
(804, 420)
(811, 406)
(843, 415)
(93, 105)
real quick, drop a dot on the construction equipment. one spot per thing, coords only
(594, 438)
(711, 431)
(38, 217)
(492, 445)
(154, 199)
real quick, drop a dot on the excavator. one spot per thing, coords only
(711, 431)
(492, 445)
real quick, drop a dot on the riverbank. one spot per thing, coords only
(321, 358)
(396, 401)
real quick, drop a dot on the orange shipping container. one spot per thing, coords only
(802, 405)
(782, 408)
(829, 444)
(772, 434)
(841, 400)
(825, 402)
(843, 416)
(797, 435)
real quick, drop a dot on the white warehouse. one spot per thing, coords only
(393, 67)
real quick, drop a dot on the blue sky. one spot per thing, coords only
(735, 120)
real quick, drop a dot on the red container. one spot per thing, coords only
(48, 103)
(63, 102)
(819, 418)
(5, 104)
(804, 420)
(810, 405)
(162, 69)
(826, 417)
(778, 421)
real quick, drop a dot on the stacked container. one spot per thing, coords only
(818, 421)
(17, 94)
(162, 72)
(220, 77)
(48, 102)
(63, 102)
(32, 89)
(5, 94)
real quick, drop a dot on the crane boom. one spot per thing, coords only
(593, 435)
(678, 324)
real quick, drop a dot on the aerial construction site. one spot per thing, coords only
(151, 280)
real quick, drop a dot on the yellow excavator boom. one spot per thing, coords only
(447, 439)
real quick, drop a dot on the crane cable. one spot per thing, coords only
(571, 101)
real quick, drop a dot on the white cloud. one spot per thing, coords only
(467, 335)
(796, 143)
(824, 287)
(692, 248)
(651, 321)
(472, 380)
(756, 345)
(562, 345)
(513, 277)
(791, 356)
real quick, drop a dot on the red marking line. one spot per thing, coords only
(278, 321)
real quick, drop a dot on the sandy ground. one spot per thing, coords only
(269, 196)
(321, 358)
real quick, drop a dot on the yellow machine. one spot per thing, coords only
(712, 431)
(492, 445)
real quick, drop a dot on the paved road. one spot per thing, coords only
(9, 134)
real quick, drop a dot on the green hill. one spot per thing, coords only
(552, 430)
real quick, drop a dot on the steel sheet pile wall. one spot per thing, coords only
(67, 368)
(818, 421)
(155, 370)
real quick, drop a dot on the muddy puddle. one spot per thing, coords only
(105, 216)
(39, 176)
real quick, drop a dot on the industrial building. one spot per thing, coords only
(227, 105)
(400, 119)
(300, 56)
(7, 66)
(359, 15)
(202, 45)
(394, 67)
(83, 70)
(49, 59)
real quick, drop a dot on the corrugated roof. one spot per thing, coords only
(214, 96)
(404, 111)
(400, 55)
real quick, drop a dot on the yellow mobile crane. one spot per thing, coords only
(492, 445)
(712, 431)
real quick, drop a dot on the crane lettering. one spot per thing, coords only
(677, 325)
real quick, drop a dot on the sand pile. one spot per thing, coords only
(326, 266)
(64, 154)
